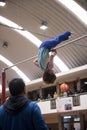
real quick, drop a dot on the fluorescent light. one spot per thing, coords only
(75, 8)
(19, 72)
(2, 3)
(33, 39)
(9, 23)
(61, 65)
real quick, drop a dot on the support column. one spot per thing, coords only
(3, 97)
(60, 122)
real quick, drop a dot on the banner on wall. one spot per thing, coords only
(78, 102)
(64, 104)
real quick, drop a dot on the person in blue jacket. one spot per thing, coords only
(18, 112)
(45, 61)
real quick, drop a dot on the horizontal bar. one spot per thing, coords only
(20, 62)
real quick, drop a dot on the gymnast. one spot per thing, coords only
(45, 60)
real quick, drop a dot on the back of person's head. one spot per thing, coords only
(49, 77)
(16, 86)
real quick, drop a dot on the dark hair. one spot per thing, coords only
(16, 86)
(49, 77)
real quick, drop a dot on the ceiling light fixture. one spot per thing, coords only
(5, 44)
(76, 9)
(43, 25)
(2, 3)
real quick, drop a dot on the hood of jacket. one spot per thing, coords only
(15, 104)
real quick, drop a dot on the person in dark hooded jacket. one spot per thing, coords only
(18, 112)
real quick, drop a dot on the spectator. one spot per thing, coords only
(49, 96)
(19, 113)
(55, 96)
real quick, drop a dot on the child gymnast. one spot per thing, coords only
(45, 60)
